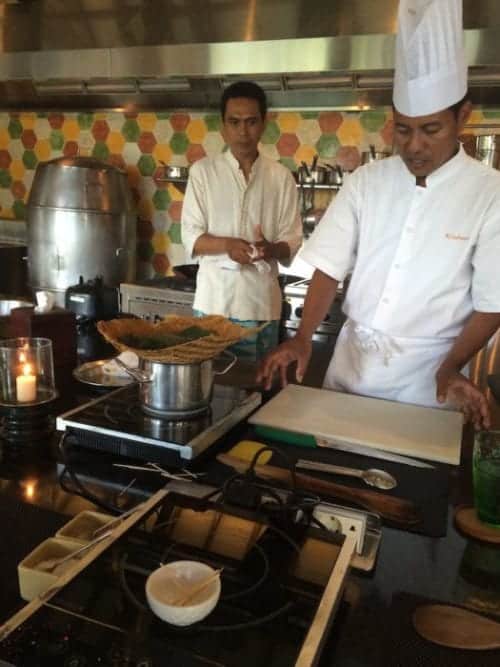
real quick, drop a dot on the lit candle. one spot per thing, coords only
(26, 385)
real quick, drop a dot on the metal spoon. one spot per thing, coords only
(373, 477)
(456, 627)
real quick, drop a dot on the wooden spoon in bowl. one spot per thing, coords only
(456, 627)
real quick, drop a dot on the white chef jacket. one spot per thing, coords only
(219, 201)
(422, 259)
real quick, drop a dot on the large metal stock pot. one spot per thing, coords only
(80, 222)
(169, 390)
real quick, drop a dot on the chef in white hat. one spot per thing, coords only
(420, 234)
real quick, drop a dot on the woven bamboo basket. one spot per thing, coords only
(223, 333)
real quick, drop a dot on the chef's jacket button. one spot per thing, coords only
(397, 266)
(410, 230)
(385, 300)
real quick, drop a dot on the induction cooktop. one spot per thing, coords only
(116, 423)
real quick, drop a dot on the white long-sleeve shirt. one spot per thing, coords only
(423, 258)
(220, 202)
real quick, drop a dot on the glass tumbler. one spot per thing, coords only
(486, 476)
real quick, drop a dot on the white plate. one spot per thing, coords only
(92, 373)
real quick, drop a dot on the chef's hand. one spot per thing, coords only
(297, 349)
(454, 387)
(263, 246)
(239, 250)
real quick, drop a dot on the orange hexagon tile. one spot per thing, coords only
(288, 122)
(28, 120)
(70, 129)
(43, 150)
(304, 154)
(4, 138)
(350, 132)
(17, 169)
(146, 121)
(115, 142)
(196, 130)
(161, 242)
(163, 153)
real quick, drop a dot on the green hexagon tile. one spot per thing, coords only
(140, 142)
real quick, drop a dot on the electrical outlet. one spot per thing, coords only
(350, 521)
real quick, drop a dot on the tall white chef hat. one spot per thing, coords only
(431, 71)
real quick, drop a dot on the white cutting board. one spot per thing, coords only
(399, 428)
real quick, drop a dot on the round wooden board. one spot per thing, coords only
(469, 524)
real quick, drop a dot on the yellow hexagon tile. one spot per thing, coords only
(476, 116)
(17, 170)
(350, 133)
(4, 138)
(71, 129)
(162, 152)
(28, 120)
(288, 121)
(146, 121)
(305, 153)
(43, 150)
(115, 142)
(196, 130)
(174, 192)
(161, 242)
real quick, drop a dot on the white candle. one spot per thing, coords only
(26, 386)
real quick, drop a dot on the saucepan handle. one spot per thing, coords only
(232, 360)
(136, 373)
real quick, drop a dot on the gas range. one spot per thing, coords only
(281, 585)
(295, 294)
(153, 299)
(117, 424)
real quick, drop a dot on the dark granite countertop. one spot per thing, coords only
(373, 626)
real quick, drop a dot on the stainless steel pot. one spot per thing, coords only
(372, 155)
(6, 305)
(488, 149)
(170, 390)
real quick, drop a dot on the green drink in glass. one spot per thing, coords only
(486, 476)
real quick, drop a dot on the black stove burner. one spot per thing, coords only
(270, 593)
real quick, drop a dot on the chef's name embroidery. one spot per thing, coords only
(457, 237)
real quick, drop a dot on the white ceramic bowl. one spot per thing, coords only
(169, 583)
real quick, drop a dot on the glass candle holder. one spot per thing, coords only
(26, 372)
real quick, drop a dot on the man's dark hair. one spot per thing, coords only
(247, 89)
(455, 108)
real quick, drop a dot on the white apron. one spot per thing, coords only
(371, 363)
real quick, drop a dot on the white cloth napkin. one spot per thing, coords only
(128, 358)
(45, 302)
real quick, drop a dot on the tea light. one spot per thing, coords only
(26, 385)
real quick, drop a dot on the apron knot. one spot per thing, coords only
(371, 341)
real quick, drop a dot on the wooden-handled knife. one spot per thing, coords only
(392, 508)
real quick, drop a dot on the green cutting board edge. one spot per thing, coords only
(288, 437)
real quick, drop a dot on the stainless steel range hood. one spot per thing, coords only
(181, 53)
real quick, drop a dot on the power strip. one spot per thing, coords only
(351, 521)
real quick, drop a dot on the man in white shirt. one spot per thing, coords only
(240, 217)
(420, 233)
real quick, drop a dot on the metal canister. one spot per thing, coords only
(80, 222)
(488, 149)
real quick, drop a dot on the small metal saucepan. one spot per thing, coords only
(171, 171)
(176, 390)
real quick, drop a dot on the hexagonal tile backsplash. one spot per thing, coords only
(140, 142)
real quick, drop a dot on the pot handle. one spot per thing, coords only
(136, 373)
(233, 360)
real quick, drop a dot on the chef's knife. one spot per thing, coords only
(368, 451)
